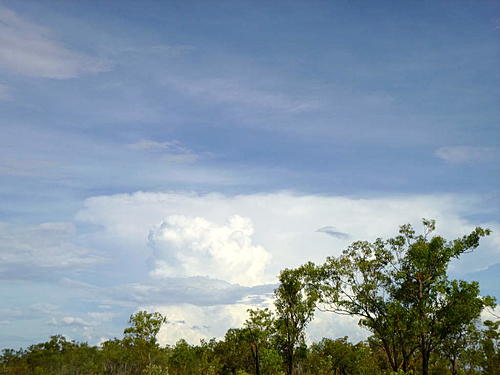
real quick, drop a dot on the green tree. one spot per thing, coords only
(491, 346)
(182, 359)
(295, 301)
(259, 328)
(140, 337)
(400, 290)
(233, 352)
(341, 357)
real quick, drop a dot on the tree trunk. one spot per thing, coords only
(255, 355)
(454, 367)
(425, 362)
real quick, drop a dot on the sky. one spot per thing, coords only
(174, 156)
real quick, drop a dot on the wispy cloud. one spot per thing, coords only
(69, 321)
(172, 151)
(30, 49)
(332, 232)
(41, 251)
(30, 168)
(230, 91)
(463, 154)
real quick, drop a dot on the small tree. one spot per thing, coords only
(258, 328)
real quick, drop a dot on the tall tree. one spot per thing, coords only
(295, 301)
(400, 289)
(141, 335)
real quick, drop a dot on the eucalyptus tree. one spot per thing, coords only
(295, 301)
(140, 337)
(399, 288)
(259, 328)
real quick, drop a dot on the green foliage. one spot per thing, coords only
(341, 357)
(295, 302)
(400, 291)
(154, 370)
(144, 327)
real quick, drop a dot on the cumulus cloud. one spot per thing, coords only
(194, 246)
(40, 251)
(194, 323)
(331, 325)
(463, 154)
(284, 224)
(30, 49)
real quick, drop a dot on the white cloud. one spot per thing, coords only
(193, 323)
(30, 49)
(69, 321)
(230, 91)
(194, 246)
(172, 151)
(462, 154)
(31, 252)
(491, 314)
(331, 325)
(286, 224)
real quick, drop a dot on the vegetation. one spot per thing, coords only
(420, 321)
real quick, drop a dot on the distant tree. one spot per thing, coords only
(295, 303)
(233, 352)
(482, 354)
(259, 328)
(140, 337)
(454, 346)
(182, 359)
(490, 343)
(341, 357)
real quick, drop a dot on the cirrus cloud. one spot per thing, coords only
(29, 49)
(463, 154)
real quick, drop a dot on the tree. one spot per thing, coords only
(258, 328)
(141, 335)
(400, 290)
(453, 346)
(295, 302)
(340, 357)
(233, 352)
(483, 351)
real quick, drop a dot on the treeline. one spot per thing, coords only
(420, 322)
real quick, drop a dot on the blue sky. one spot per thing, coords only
(176, 155)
